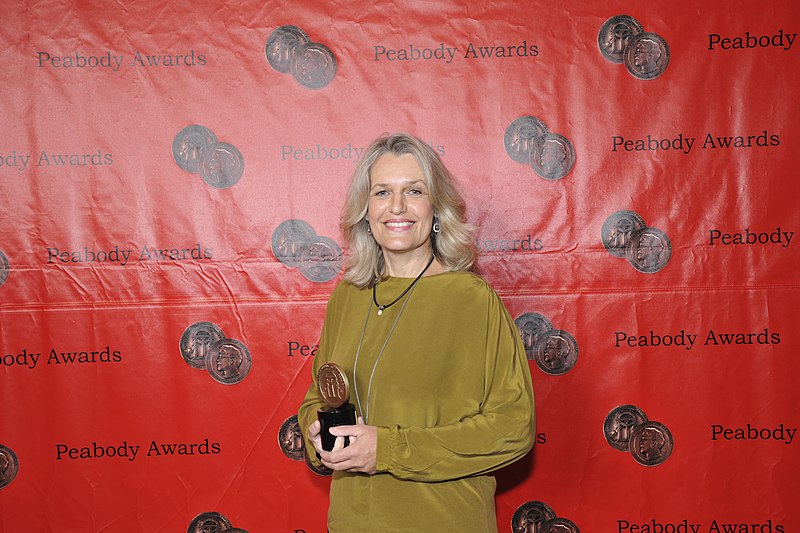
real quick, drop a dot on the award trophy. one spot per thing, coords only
(335, 390)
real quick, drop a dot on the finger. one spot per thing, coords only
(338, 444)
(314, 436)
(338, 458)
(344, 431)
(360, 421)
(317, 444)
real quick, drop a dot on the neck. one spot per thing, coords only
(410, 267)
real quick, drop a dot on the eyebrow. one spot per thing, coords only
(405, 183)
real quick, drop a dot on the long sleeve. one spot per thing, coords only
(498, 433)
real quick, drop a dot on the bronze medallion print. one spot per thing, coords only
(614, 36)
(290, 439)
(281, 47)
(647, 55)
(228, 361)
(619, 425)
(649, 250)
(651, 443)
(9, 466)
(556, 352)
(189, 146)
(196, 342)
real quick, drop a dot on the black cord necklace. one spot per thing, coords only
(375, 287)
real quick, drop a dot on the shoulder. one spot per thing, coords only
(346, 287)
(344, 292)
(462, 285)
(465, 280)
(341, 288)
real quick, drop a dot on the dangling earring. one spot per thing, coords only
(436, 227)
(366, 223)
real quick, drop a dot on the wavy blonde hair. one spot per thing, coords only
(454, 245)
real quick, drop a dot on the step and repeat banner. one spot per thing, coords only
(171, 180)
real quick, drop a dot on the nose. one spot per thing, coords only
(398, 204)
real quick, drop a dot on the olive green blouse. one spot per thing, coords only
(450, 393)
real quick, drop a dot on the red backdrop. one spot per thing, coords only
(95, 95)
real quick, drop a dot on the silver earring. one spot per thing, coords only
(436, 227)
(366, 223)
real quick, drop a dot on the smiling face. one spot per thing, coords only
(399, 211)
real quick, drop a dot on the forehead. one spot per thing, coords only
(390, 168)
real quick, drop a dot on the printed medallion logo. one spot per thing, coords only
(617, 231)
(557, 354)
(538, 517)
(222, 165)
(520, 137)
(197, 150)
(290, 49)
(207, 522)
(196, 342)
(314, 65)
(188, 147)
(296, 244)
(627, 429)
(619, 424)
(290, 439)
(622, 39)
(555, 351)
(625, 234)
(531, 327)
(5, 268)
(9, 466)
(649, 250)
(651, 443)
(614, 35)
(646, 56)
(528, 141)
(281, 45)
(204, 345)
(321, 259)
(289, 240)
(529, 517)
(212, 522)
(552, 156)
(228, 361)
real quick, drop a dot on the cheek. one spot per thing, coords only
(372, 209)
(424, 211)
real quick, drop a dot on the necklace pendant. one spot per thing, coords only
(407, 291)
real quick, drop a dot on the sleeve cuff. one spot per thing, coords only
(383, 451)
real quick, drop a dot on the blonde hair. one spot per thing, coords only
(454, 245)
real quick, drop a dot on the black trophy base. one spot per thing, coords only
(335, 416)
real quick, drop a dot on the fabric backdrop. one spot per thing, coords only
(171, 180)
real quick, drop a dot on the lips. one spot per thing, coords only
(398, 225)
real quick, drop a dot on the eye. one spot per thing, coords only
(381, 192)
(415, 192)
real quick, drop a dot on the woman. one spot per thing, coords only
(438, 371)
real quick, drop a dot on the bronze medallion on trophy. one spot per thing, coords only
(335, 391)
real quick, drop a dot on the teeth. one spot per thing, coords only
(399, 224)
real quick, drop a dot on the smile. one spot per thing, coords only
(399, 225)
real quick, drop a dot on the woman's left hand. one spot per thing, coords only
(360, 455)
